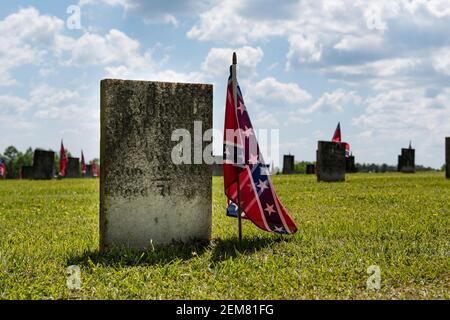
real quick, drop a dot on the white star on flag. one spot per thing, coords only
(241, 107)
(262, 185)
(248, 132)
(279, 229)
(253, 159)
(269, 209)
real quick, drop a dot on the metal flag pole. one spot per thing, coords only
(234, 83)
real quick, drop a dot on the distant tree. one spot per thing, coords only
(15, 160)
(300, 167)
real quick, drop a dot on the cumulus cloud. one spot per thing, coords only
(23, 36)
(275, 94)
(405, 114)
(335, 101)
(165, 12)
(303, 49)
(441, 61)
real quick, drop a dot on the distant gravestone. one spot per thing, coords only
(406, 161)
(146, 199)
(310, 169)
(73, 168)
(218, 166)
(43, 164)
(350, 166)
(27, 172)
(447, 157)
(288, 164)
(330, 164)
(88, 173)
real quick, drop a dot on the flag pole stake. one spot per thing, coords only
(234, 82)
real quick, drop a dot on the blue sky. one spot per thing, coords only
(382, 68)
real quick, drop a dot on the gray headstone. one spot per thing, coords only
(27, 172)
(88, 173)
(406, 161)
(43, 164)
(447, 157)
(145, 198)
(310, 169)
(288, 164)
(330, 164)
(73, 168)
(350, 164)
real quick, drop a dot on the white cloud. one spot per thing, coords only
(405, 114)
(441, 61)
(359, 43)
(335, 101)
(303, 49)
(113, 50)
(23, 37)
(165, 12)
(274, 94)
(12, 104)
(264, 119)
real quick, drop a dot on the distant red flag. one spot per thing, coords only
(94, 169)
(259, 202)
(337, 134)
(62, 160)
(83, 164)
(2, 168)
(338, 138)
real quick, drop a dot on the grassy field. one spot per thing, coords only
(397, 222)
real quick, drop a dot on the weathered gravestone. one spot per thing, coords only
(88, 173)
(218, 166)
(43, 164)
(330, 163)
(447, 157)
(288, 164)
(27, 172)
(73, 168)
(310, 169)
(350, 166)
(406, 162)
(145, 198)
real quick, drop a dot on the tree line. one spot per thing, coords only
(300, 167)
(15, 159)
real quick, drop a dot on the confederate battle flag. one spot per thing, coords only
(62, 160)
(83, 164)
(337, 138)
(2, 168)
(94, 169)
(243, 161)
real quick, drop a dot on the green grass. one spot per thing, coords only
(397, 222)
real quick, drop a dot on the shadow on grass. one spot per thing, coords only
(220, 249)
(223, 249)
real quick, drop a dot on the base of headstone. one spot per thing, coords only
(27, 172)
(330, 164)
(310, 169)
(145, 198)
